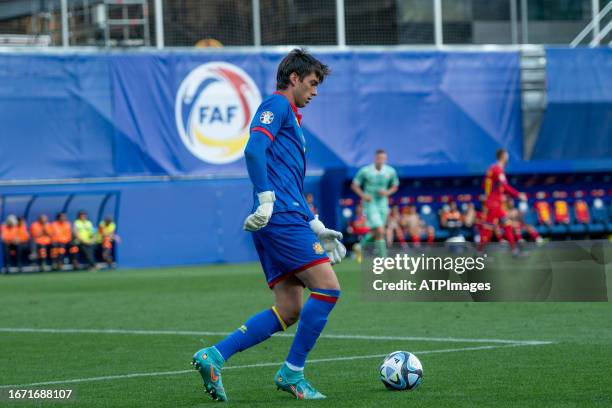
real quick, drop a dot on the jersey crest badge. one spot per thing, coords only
(266, 117)
(318, 248)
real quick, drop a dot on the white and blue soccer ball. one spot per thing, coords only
(401, 371)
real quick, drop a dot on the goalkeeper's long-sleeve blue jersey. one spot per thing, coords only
(276, 155)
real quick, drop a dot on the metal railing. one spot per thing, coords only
(335, 23)
(598, 38)
(593, 27)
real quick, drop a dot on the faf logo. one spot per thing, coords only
(213, 109)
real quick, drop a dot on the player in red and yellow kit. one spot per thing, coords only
(496, 188)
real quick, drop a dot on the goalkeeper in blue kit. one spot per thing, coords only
(295, 249)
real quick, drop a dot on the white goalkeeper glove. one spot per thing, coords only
(263, 213)
(330, 240)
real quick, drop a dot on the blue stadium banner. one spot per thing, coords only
(577, 122)
(187, 113)
(184, 114)
(191, 112)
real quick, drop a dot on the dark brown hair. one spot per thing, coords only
(499, 153)
(303, 64)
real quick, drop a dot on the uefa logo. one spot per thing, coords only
(213, 108)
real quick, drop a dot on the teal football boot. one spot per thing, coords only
(208, 362)
(295, 384)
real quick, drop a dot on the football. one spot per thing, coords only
(401, 371)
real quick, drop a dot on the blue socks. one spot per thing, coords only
(312, 321)
(264, 324)
(257, 329)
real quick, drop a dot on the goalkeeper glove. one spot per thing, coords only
(262, 214)
(330, 240)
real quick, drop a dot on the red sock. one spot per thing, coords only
(400, 237)
(533, 233)
(509, 235)
(485, 237)
(498, 233)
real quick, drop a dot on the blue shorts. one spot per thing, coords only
(287, 246)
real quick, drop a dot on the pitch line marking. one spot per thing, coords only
(257, 365)
(325, 336)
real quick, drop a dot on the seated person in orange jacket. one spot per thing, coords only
(61, 239)
(451, 218)
(15, 240)
(42, 231)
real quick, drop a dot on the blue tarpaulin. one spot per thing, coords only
(184, 114)
(111, 114)
(578, 120)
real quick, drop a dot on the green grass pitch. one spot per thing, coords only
(168, 314)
